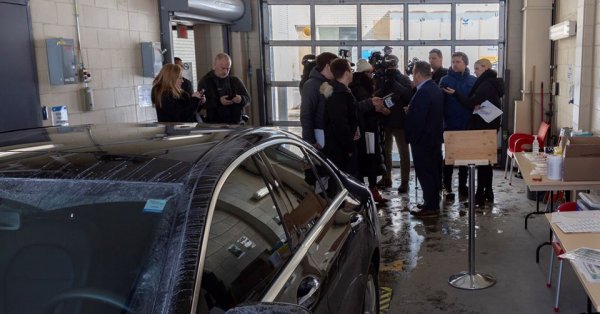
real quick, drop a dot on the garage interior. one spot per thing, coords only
(555, 80)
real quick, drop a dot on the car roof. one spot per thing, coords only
(151, 152)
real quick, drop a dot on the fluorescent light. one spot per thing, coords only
(563, 30)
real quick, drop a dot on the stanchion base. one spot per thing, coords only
(476, 281)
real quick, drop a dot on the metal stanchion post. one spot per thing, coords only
(471, 280)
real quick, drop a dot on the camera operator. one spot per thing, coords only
(390, 80)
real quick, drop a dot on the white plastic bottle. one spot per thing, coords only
(535, 147)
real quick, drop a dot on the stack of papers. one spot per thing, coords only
(488, 111)
(578, 221)
(587, 262)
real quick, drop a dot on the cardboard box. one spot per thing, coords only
(582, 159)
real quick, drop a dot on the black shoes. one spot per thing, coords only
(403, 188)
(425, 213)
(489, 195)
(384, 183)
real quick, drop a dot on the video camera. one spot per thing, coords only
(411, 65)
(344, 53)
(381, 63)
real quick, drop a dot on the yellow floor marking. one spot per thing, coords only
(385, 298)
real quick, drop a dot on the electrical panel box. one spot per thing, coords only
(151, 59)
(62, 65)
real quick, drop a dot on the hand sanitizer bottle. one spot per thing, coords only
(535, 147)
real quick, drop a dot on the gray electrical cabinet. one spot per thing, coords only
(151, 59)
(62, 65)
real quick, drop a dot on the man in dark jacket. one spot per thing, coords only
(400, 85)
(457, 115)
(436, 60)
(226, 95)
(423, 128)
(312, 107)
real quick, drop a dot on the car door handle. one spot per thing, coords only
(356, 220)
(307, 290)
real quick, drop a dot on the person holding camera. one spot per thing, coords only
(393, 81)
(226, 95)
(456, 115)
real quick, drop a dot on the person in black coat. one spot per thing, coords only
(312, 108)
(436, 61)
(341, 120)
(226, 94)
(491, 88)
(370, 154)
(172, 103)
(423, 128)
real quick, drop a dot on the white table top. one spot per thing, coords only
(572, 241)
(550, 185)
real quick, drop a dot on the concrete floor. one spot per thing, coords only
(419, 255)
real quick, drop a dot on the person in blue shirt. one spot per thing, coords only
(457, 115)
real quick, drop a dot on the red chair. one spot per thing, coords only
(557, 250)
(518, 140)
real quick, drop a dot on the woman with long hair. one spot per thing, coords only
(172, 103)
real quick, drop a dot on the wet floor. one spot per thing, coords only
(419, 255)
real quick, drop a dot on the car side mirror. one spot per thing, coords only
(267, 308)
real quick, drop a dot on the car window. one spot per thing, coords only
(329, 181)
(103, 239)
(247, 243)
(308, 197)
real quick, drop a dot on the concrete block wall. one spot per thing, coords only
(111, 32)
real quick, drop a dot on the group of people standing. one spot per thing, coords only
(220, 97)
(340, 114)
(344, 114)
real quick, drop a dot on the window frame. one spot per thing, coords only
(359, 42)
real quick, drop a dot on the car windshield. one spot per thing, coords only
(81, 246)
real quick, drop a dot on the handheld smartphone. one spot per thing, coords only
(387, 99)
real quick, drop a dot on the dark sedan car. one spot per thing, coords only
(178, 219)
